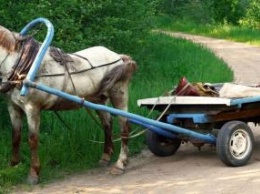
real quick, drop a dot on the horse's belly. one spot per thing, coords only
(63, 104)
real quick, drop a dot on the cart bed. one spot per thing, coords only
(213, 108)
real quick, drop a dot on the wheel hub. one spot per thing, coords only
(238, 144)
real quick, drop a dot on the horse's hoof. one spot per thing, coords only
(117, 171)
(33, 180)
(104, 163)
(14, 162)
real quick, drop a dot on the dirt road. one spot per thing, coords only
(189, 171)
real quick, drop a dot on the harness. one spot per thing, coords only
(80, 71)
(28, 52)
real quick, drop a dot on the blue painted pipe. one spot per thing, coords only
(47, 41)
(205, 137)
(157, 130)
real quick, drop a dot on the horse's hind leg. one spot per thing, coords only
(106, 122)
(123, 156)
(119, 99)
(16, 115)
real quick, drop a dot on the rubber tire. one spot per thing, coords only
(225, 144)
(161, 146)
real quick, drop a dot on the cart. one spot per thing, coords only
(217, 121)
(222, 118)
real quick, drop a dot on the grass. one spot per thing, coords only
(223, 31)
(162, 61)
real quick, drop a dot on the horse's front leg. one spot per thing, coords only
(106, 122)
(33, 119)
(16, 115)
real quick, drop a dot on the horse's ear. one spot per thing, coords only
(19, 37)
(18, 40)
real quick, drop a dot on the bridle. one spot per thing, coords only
(8, 53)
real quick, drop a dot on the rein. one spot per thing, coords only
(81, 71)
(64, 59)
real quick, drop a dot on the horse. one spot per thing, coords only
(96, 74)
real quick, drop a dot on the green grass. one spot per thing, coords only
(223, 31)
(162, 61)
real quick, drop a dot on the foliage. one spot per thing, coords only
(252, 16)
(197, 11)
(120, 25)
(210, 11)
(222, 31)
(229, 11)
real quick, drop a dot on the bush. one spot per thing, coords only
(252, 16)
(201, 11)
(120, 25)
(230, 11)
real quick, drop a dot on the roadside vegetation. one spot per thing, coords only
(223, 31)
(235, 20)
(74, 144)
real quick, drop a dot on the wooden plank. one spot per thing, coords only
(246, 114)
(184, 100)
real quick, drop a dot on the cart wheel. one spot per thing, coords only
(235, 143)
(161, 146)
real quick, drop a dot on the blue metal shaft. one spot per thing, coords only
(176, 129)
(47, 41)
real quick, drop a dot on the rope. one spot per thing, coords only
(148, 115)
(76, 93)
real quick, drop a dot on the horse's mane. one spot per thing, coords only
(8, 39)
(59, 56)
(28, 48)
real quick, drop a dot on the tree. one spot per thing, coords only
(252, 16)
(219, 11)
(230, 11)
(120, 25)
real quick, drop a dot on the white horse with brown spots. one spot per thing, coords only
(95, 74)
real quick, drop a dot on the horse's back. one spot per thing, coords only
(99, 55)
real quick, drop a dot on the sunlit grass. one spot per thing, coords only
(224, 31)
(69, 147)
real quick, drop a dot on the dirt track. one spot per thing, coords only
(189, 171)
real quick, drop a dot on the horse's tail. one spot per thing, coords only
(119, 73)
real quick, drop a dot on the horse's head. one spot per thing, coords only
(10, 44)
(8, 39)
